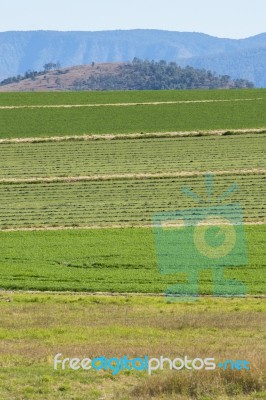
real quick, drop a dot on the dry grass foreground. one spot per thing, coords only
(35, 327)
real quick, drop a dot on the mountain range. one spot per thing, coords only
(30, 50)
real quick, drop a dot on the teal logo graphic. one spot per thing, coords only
(205, 237)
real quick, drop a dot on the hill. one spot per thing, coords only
(62, 79)
(137, 75)
(244, 58)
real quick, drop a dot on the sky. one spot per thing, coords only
(223, 18)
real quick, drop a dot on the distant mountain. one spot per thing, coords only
(243, 58)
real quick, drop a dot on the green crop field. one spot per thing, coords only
(108, 260)
(76, 215)
(54, 98)
(224, 112)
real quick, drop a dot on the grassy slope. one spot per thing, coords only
(120, 260)
(34, 328)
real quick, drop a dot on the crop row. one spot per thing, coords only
(161, 155)
(16, 123)
(121, 201)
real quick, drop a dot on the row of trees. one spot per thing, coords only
(151, 75)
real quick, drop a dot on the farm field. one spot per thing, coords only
(108, 260)
(119, 183)
(44, 122)
(127, 156)
(78, 266)
(124, 202)
(66, 98)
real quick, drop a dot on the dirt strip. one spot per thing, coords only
(4, 293)
(141, 135)
(140, 176)
(110, 226)
(148, 103)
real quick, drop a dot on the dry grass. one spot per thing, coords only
(121, 225)
(147, 103)
(35, 327)
(201, 385)
(110, 177)
(141, 135)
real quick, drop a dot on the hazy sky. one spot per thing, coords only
(223, 18)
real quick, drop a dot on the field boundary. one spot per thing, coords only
(147, 103)
(138, 176)
(99, 227)
(137, 135)
(111, 177)
(114, 294)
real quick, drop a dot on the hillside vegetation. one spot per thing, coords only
(137, 75)
(146, 75)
